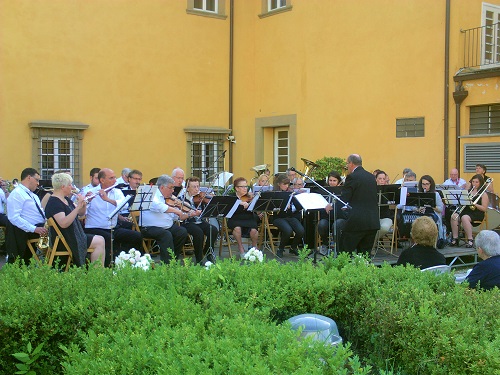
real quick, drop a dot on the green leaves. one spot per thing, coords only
(27, 359)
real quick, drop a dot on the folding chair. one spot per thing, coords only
(147, 243)
(52, 251)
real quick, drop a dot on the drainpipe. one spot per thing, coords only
(231, 38)
(459, 96)
(446, 89)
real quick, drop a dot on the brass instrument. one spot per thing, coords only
(258, 169)
(456, 214)
(43, 243)
(309, 166)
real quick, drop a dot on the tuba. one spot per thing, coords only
(309, 166)
(258, 169)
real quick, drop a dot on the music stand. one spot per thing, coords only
(421, 199)
(457, 197)
(220, 206)
(118, 209)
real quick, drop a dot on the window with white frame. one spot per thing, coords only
(207, 8)
(275, 4)
(206, 5)
(274, 7)
(206, 159)
(491, 34)
(281, 150)
(57, 146)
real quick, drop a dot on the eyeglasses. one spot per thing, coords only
(426, 183)
(37, 179)
(136, 178)
(242, 186)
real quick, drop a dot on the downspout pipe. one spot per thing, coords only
(231, 39)
(446, 90)
(459, 96)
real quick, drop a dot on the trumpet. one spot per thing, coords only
(456, 214)
(92, 196)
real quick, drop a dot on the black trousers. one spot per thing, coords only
(361, 240)
(15, 242)
(172, 238)
(287, 226)
(198, 232)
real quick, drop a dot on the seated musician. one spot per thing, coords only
(327, 219)
(94, 181)
(403, 179)
(288, 221)
(263, 180)
(298, 185)
(122, 181)
(196, 227)
(65, 213)
(26, 217)
(386, 214)
(243, 222)
(106, 199)
(471, 215)
(486, 274)
(159, 221)
(422, 253)
(455, 180)
(481, 169)
(4, 193)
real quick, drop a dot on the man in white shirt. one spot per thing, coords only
(402, 179)
(99, 210)
(94, 181)
(159, 221)
(123, 179)
(460, 183)
(3, 201)
(25, 215)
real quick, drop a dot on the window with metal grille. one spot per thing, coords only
(485, 119)
(482, 153)
(206, 155)
(409, 127)
(57, 146)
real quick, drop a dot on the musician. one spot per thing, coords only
(410, 176)
(402, 179)
(3, 201)
(94, 181)
(360, 191)
(159, 221)
(243, 222)
(123, 179)
(327, 219)
(486, 274)
(288, 221)
(481, 169)
(26, 217)
(386, 214)
(178, 176)
(291, 174)
(196, 227)
(65, 214)
(134, 179)
(101, 206)
(455, 180)
(422, 253)
(298, 185)
(471, 216)
(263, 180)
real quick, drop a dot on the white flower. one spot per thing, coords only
(254, 254)
(208, 264)
(133, 259)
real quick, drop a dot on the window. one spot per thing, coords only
(409, 127)
(207, 8)
(272, 7)
(57, 145)
(485, 119)
(205, 151)
(482, 153)
(491, 35)
(281, 150)
(275, 4)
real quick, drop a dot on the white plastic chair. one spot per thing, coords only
(438, 270)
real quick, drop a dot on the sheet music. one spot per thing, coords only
(457, 197)
(311, 201)
(143, 197)
(119, 207)
(402, 196)
(254, 201)
(233, 209)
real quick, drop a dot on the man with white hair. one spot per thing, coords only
(123, 179)
(486, 274)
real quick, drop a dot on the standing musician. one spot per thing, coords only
(470, 215)
(326, 221)
(288, 221)
(63, 210)
(105, 201)
(159, 221)
(25, 215)
(243, 222)
(196, 227)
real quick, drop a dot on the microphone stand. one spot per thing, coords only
(336, 199)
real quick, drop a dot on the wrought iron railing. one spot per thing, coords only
(481, 46)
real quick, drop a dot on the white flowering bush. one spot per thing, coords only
(133, 259)
(254, 255)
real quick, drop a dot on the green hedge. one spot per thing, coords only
(229, 319)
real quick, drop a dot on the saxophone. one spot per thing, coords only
(43, 243)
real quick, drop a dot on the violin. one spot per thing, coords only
(201, 198)
(247, 197)
(183, 205)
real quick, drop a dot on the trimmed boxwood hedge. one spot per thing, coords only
(232, 319)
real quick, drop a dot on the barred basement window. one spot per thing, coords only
(482, 153)
(57, 146)
(409, 127)
(485, 119)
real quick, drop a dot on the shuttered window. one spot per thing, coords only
(491, 34)
(409, 127)
(485, 119)
(482, 153)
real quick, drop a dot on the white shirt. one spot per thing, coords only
(86, 189)
(98, 210)
(22, 210)
(3, 200)
(156, 215)
(399, 182)
(120, 180)
(461, 183)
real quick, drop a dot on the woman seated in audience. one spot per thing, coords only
(471, 216)
(486, 274)
(65, 214)
(288, 221)
(423, 253)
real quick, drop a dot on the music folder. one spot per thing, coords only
(271, 201)
(221, 205)
(418, 199)
(311, 201)
(389, 194)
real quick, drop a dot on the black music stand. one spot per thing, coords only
(421, 199)
(116, 211)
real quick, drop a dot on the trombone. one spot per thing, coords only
(456, 214)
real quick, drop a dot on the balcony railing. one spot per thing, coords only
(481, 46)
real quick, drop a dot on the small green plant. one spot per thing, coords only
(326, 165)
(27, 359)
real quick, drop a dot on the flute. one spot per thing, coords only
(92, 196)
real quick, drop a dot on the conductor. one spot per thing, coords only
(360, 191)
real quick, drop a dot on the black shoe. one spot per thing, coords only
(280, 253)
(211, 258)
(454, 242)
(294, 251)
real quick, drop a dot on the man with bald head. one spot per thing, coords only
(99, 209)
(455, 180)
(360, 192)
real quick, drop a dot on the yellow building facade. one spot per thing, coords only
(157, 84)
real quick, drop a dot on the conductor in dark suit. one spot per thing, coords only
(360, 192)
